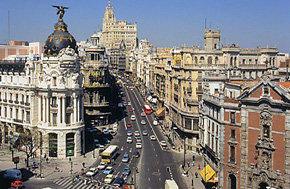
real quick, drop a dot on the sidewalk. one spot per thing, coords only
(49, 170)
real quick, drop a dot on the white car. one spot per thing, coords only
(129, 140)
(136, 133)
(129, 103)
(102, 165)
(143, 122)
(152, 137)
(143, 114)
(163, 143)
(155, 122)
(133, 117)
(138, 145)
(115, 127)
(92, 171)
(109, 179)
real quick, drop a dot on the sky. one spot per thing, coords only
(165, 23)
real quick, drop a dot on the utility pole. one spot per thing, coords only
(184, 152)
(71, 166)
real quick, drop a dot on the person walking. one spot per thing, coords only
(198, 166)
(196, 175)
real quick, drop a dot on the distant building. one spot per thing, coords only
(114, 32)
(20, 50)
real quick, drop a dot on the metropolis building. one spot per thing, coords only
(44, 97)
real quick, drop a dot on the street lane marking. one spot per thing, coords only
(149, 179)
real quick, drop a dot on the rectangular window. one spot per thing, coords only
(54, 118)
(54, 81)
(53, 102)
(17, 114)
(233, 134)
(232, 154)
(11, 112)
(233, 117)
(188, 123)
(266, 90)
(27, 116)
(67, 118)
(68, 101)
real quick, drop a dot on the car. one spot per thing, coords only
(129, 140)
(163, 143)
(17, 184)
(119, 181)
(133, 118)
(113, 133)
(155, 122)
(102, 165)
(152, 137)
(137, 154)
(145, 133)
(126, 158)
(92, 171)
(129, 125)
(123, 98)
(108, 170)
(130, 109)
(129, 133)
(143, 114)
(138, 140)
(126, 171)
(97, 143)
(106, 132)
(136, 133)
(143, 122)
(129, 103)
(110, 129)
(115, 127)
(109, 179)
(107, 141)
(138, 145)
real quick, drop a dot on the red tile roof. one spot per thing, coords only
(285, 84)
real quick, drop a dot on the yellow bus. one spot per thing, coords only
(109, 154)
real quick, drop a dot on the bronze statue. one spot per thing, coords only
(60, 12)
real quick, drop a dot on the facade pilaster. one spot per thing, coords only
(58, 110)
(287, 150)
(244, 149)
(63, 110)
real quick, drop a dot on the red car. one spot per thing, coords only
(17, 184)
(129, 125)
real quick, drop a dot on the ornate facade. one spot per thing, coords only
(46, 95)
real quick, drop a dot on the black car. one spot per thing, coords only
(119, 181)
(137, 154)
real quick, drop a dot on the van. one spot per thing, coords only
(133, 118)
(13, 174)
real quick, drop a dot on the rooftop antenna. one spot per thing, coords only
(109, 3)
(8, 26)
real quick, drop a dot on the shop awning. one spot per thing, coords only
(208, 174)
(161, 112)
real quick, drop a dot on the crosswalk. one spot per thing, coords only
(67, 183)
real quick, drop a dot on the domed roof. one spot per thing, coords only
(59, 39)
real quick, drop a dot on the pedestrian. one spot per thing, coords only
(196, 175)
(83, 164)
(188, 164)
(82, 171)
(46, 159)
(198, 166)
(44, 156)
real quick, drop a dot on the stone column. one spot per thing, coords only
(63, 110)
(75, 110)
(78, 147)
(44, 110)
(61, 145)
(58, 110)
(244, 149)
(47, 110)
(39, 109)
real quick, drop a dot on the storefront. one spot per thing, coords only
(52, 143)
(70, 144)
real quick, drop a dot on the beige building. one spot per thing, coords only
(114, 32)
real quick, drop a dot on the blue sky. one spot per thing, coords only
(165, 23)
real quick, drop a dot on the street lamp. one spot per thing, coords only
(71, 165)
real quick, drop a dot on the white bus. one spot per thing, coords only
(109, 154)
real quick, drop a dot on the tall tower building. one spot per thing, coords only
(114, 32)
(212, 40)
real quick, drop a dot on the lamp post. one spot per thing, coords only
(71, 166)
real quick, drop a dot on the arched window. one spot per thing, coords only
(70, 144)
(263, 185)
(235, 61)
(209, 60)
(231, 61)
(202, 60)
(216, 60)
(52, 143)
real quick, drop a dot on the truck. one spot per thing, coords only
(171, 184)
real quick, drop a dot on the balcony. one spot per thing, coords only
(10, 101)
(103, 104)
(252, 66)
(27, 104)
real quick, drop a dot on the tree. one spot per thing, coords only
(30, 142)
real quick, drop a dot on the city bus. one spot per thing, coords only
(147, 109)
(109, 154)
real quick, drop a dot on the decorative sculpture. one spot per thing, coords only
(60, 11)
